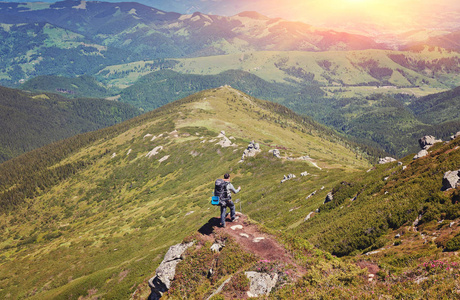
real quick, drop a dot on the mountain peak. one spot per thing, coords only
(253, 15)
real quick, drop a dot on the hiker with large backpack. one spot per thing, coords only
(224, 189)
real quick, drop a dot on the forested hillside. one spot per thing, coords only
(81, 86)
(29, 121)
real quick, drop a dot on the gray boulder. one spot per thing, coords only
(455, 136)
(165, 272)
(427, 141)
(260, 284)
(421, 154)
(386, 160)
(451, 180)
(308, 216)
(289, 177)
(329, 198)
(276, 153)
(252, 149)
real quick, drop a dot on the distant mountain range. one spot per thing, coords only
(78, 37)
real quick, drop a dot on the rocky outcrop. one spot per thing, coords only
(329, 198)
(422, 153)
(276, 153)
(154, 151)
(427, 141)
(451, 180)
(217, 246)
(224, 141)
(453, 137)
(251, 151)
(166, 271)
(289, 177)
(308, 216)
(386, 160)
(311, 195)
(261, 284)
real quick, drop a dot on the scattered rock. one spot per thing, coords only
(308, 216)
(304, 173)
(163, 158)
(189, 213)
(114, 155)
(417, 220)
(421, 154)
(386, 160)
(305, 158)
(354, 198)
(451, 224)
(455, 136)
(129, 152)
(258, 239)
(311, 195)
(244, 235)
(427, 141)
(260, 283)
(276, 153)
(315, 165)
(329, 197)
(397, 236)
(219, 289)
(251, 151)
(154, 151)
(147, 135)
(386, 178)
(451, 180)
(289, 177)
(165, 272)
(404, 167)
(235, 227)
(194, 153)
(224, 142)
(217, 246)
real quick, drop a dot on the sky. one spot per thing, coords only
(391, 15)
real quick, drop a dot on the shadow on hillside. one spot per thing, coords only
(208, 228)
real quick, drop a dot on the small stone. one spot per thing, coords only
(235, 227)
(386, 160)
(244, 235)
(258, 239)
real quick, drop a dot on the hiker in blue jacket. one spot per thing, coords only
(226, 199)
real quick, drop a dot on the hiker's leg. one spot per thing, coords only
(232, 209)
(223, 212)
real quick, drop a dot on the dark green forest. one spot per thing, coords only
(29, 121)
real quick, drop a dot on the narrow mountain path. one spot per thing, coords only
(253, 240)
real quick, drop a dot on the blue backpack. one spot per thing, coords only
(220, 192)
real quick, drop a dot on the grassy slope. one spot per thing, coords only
(376, 120)
(29, 121)
(105, 228)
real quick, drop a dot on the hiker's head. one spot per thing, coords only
(226, 176)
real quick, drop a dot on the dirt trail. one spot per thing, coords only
(252, 240)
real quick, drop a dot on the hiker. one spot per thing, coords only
(224, 189)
